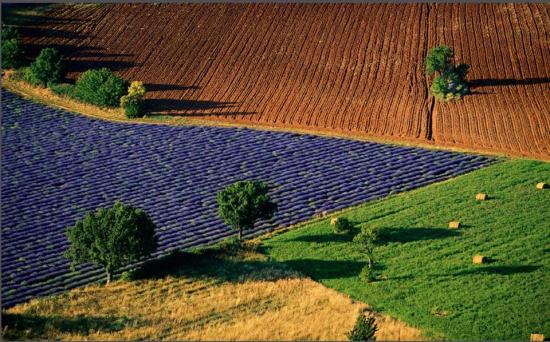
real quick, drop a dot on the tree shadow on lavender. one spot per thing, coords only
(403, 235)
(38, 327)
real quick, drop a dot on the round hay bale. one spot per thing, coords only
(542, 185)
(479, 259)
(454, 224)
(481, 197)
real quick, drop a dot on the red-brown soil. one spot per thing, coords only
(355, 69)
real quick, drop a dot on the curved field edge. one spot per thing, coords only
(213, 294)
(270, 64)
(46, 97)
(426, 275)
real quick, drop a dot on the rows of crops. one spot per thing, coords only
(57, 166)
(343, 68)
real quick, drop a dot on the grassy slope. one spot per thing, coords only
(216, 294)
(427, 277)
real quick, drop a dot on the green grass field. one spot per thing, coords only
(425, 275)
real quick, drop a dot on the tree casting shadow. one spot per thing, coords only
(507, 81)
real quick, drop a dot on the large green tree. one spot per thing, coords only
(243, 203)
(112, 237)
(449, 81)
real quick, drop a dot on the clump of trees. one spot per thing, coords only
(111, 238)
(47, 68)
(341, 225)
(449, 82)
(241, 204)
(364, 329)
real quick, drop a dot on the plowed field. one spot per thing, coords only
(354, 69)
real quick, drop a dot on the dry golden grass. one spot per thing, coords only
(182, 307)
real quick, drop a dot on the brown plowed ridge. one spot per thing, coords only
(352, 69)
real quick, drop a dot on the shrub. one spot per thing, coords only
(341, 225)
(111, 238)
(244, 202)
(133, 102)
(364, 329)
(449, 82)
(47, 67)
(100, 87)
(27, 75)
(62, 89)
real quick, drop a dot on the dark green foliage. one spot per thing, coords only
(62, 89)
(112, 237)
(47, 67)
(12, 55)
(342, 225)
(244, 202)
(449, 82)
(132, 109)
(364, 329)
(439, 60)
(26, 74)
(100, 87)
(366, 240)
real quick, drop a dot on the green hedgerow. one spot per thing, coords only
(100, 87)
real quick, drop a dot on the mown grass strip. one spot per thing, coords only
(426, 274)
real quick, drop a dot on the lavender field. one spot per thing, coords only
(56, 166)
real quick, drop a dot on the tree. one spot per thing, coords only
(364, 329)
(11, 51)
(366, 239)
(449, 81)
(244, 202)
(47, 67)
(100, 87)
(111, 237)
(132, 103)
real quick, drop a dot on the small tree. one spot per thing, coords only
(111, 238)
(364, 329)
(133, 102)
(47, 67)
(11, 51)
(244, 202)
(449, 81)
(366, 239)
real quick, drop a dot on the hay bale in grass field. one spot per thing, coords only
(454, 224)
(542, 185)
(536, 337)
(479, 259)
(481, 196)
